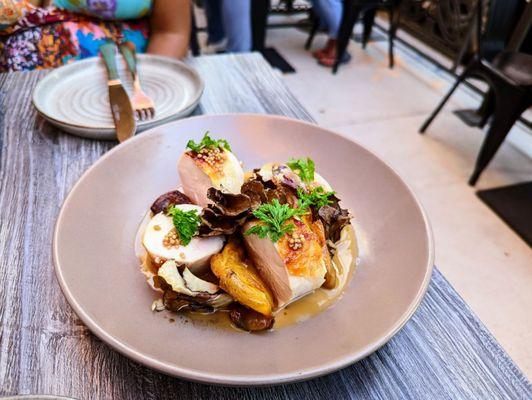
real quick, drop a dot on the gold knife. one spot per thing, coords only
(121, 108)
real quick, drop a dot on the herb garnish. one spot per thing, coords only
(273, 219)
(316, 197)
(186, 223)
(207, 142)
(304, 167)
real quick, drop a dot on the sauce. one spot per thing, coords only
(345, 260)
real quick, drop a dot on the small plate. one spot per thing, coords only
(75, 97)
(97, 269)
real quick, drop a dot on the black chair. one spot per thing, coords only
(509, 76)
(350, 15)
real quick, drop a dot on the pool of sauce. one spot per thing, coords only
(345, 259)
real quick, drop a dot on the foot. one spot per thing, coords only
(329, 58)
(331, 43)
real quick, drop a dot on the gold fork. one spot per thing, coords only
(143, 105)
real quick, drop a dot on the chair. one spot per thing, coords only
(194, 42)
(509, 77)
(351, 12)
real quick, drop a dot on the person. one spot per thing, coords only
(37, 34)
(329, 13)
(228, 25)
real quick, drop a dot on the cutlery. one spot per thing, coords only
(143, 105)
(121, 107)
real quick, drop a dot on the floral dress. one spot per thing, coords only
(36, 38)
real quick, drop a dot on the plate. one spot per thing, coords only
(97, 269)
(75, 97)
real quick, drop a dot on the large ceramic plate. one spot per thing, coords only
(99, 273)
(75, 96)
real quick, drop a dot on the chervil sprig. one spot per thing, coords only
(273, 219)
(304, 167)
(208, 142)
(316, 197)
(186, 223)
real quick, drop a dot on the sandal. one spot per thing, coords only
(331, 43)
(329, 59)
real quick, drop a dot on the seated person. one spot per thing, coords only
(228, 25)
(329, 13)
(37, 34)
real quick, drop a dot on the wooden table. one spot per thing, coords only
(444, 351)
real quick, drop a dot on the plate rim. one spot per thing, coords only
(243, 380)
(110, 128)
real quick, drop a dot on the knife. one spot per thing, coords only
(121, 108)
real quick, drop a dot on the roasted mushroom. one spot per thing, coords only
(226, 213)
(229, 204)
(249, 320)
(166, 200)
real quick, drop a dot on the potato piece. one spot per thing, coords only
(240, 279)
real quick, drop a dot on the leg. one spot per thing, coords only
(350, 14)
(317, 21)
(330, 12)
(391, 34)
(213, 14)
(259, 18)
(236, 16)
(312, 33)
(508, 107)
(194, 45)
(442, 103)
(368, 19)
(486, 108)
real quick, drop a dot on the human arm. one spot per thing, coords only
(170, 28)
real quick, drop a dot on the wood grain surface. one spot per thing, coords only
(444, 352)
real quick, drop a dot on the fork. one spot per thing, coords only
(142, 104)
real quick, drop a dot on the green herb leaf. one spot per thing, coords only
(207, 142)
(316, 197)
(273, 218)
(186, 223)
(304, 167)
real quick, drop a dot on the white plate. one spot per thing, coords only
(75, 97)
(96, 265)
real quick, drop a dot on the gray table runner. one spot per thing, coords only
(443, 352)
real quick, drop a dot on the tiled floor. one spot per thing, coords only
(487, 263)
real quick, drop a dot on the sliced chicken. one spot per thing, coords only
(196, 255)
(217, 168)
(294, 266)
(269, 264)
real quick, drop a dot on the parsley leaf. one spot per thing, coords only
(273, 218)
(207, 141)
(186, 223)
(304, 167)
(316, 197)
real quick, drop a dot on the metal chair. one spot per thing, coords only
(509, 76)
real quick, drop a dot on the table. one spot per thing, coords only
(443, 352)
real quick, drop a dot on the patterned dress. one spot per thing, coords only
(36, 38)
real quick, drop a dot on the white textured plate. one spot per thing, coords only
(75, 97)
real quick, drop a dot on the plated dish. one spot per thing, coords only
(98, 269)
(245, 244)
